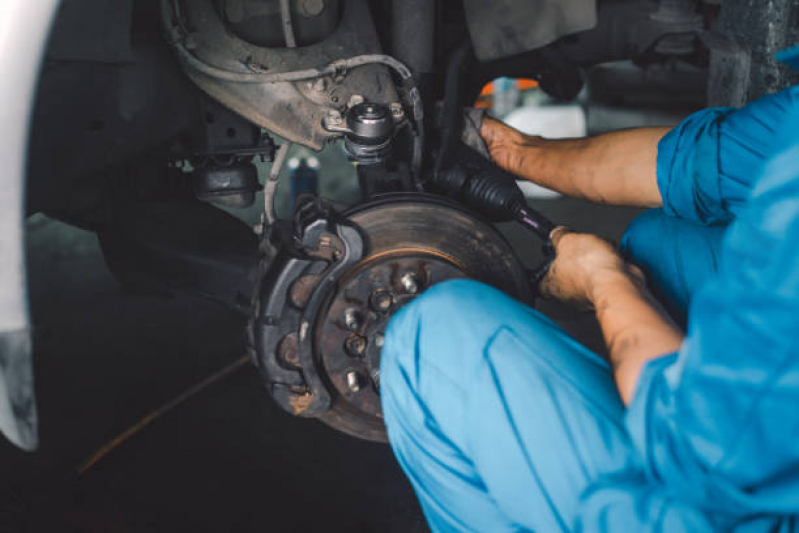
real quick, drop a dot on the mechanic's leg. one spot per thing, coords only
(677, 256)
(498, 417)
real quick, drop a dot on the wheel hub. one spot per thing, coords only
(321, 319)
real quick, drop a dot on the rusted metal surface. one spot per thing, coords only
(376, 291)
(293, 111)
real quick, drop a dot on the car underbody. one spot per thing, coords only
(151, 114)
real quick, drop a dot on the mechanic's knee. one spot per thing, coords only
(441, 332)
(442, 311)
(433, 348)
(643, 231)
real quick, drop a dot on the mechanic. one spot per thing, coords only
(503, 422)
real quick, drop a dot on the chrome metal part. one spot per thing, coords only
(371, 127)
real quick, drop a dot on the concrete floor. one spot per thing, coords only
(227, 460)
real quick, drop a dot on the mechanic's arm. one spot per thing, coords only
(616, 168)
(588, 271)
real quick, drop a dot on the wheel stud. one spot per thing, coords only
(353, 381)
(410, 282)
(352, 318)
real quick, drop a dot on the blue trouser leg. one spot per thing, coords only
(498, 417)
(677, 256)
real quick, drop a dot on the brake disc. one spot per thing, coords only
(320, 316)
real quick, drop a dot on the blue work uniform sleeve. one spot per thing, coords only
(707, 165)
(715, 424)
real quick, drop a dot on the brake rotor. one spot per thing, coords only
(409, 244)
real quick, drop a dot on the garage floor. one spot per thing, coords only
(226, 460)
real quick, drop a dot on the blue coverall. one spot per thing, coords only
(502, 422)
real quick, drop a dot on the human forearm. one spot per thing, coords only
(635, 327)
(616, 168)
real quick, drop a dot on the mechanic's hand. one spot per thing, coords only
(581, 262)
(507, 145)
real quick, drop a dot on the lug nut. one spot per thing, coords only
(410, 282)
(352, 319)
(353, 381)
(381, 300)
(355, 345)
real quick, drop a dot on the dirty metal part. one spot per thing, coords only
(234, 185)
(503, 28)
(371, 127)
(273, 87)
(683, 14)
(413, 31)
(409, 243)
(742, 47)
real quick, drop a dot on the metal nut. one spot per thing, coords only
(355, 345)
(410, 282)
(381, 300)
(396, 110)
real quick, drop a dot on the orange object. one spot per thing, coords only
(484, 100)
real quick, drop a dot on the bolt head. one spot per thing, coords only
(379, 340)
(396, 110)
(381, 300)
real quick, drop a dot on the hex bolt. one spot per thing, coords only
(381, 300)
(355, 345)
(353, 381)
(410, 282)
(352, 319)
